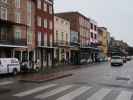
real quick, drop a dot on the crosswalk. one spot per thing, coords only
(55, 90)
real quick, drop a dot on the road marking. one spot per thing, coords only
(75, 93)
(100, 94)
(124, 95)
(35, 90)
(6, 83)
(53, 92)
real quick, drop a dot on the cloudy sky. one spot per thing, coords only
(116, 15)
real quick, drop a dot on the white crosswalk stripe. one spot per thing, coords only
(100, 94)
(71, 94)
(124, 95)
(53, 92)
(6, 83)
(35, 90)
(75, 93)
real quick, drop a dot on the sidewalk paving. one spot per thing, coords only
(50, 74)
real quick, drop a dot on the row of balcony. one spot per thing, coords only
(23, 42)
(56, 44)
(13, 42)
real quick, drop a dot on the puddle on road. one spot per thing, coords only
(123, 78)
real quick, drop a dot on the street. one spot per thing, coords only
(93, 82)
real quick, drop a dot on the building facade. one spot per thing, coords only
(94, 40)
(74, 35)
(61, 40)
(44, 29)
(87, 36)
(13, 28)
(104, 41)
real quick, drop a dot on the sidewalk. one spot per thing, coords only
(50, 74)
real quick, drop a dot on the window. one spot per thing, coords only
(39, 4)
(45, 7)
(18, 17)
(29, 20)
(50, 25)
(29, 6)
(66, 37)
(51, 39)
(17, 3)
(18, 35)
(50, 10)
(62, 36)
(56, 35)
(95, 27)
(45, 38)
(3, 13)
(95, 36)
(29, 37)
(39, 22)
(91, 26)
(91, 35)
(45, 23)
(3, 33)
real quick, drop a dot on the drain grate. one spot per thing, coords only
(123, 78)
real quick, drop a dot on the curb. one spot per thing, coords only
(45, 80)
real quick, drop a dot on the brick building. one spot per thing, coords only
(13, 35)
(44, 29)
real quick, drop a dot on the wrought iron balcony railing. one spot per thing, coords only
(61, 43)
(42, 43)
(14, 42)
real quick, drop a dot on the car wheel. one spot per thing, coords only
(112, 65)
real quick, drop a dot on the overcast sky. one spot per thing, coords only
(116, 15)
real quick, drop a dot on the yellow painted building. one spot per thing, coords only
(103, 41)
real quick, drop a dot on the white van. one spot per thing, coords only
(9, 65)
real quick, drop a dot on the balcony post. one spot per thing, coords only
(21, 59)
(13, 53)
(28, 57)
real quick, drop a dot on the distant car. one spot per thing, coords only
(9, 66)
(128, 58)
(116, 60)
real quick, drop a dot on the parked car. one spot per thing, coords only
(83, 61)
(89, 61)
(26, 66)
(9, 66)
(116, 60)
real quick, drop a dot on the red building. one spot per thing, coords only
(44, 30)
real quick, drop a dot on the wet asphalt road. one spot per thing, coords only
(93, 82)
